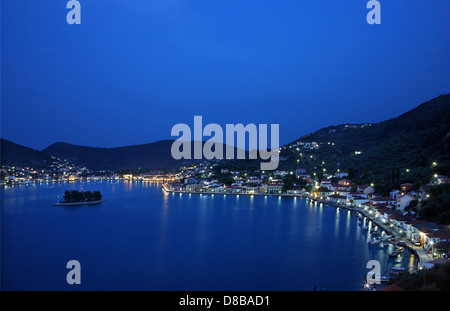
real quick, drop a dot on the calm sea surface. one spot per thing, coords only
(142, 238)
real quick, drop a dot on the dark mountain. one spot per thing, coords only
(13, 154)
(146, 156)
(400, 149)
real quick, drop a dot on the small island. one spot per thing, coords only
(74, 198)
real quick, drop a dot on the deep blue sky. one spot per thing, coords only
(135, 68)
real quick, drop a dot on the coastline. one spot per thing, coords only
(79, 203)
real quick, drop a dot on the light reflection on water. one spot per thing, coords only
(154, 240)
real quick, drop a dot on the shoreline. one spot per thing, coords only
(79, 203)
(262, 195)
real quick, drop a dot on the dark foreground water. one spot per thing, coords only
(144, 239)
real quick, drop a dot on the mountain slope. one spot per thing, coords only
(146, 156)
(378, 152)
(13, 154)
(153, 155)
(405, 145)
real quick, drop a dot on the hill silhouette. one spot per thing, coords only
(371, 152)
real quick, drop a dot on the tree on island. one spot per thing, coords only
(79, 196)
(97, 195)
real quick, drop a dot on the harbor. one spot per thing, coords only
(215, 242)
(394, 237)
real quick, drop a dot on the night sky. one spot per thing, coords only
(135, 68)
